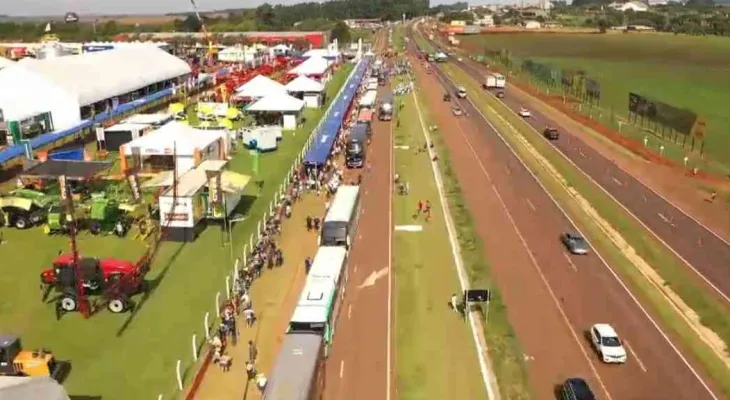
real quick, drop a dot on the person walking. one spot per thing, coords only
(252, 351)
(307, 264)
(455, 303)
(250, 316)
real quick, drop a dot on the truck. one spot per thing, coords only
(385, 111)
(356, 148)
(495, 82)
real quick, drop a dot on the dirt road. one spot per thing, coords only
(357, 367)
(706, 252)
(553, 298)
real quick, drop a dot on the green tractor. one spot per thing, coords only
(107, 216)
(57, 221)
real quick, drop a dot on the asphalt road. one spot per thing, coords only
(584, 289)
(701, 249)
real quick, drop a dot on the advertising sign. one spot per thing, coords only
(178, 214)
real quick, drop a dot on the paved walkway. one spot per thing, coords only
(273, 296)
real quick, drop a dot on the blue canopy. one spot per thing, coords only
(327, 132)
(47, 138)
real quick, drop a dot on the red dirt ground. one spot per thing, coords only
(357, 365)
(554, 299)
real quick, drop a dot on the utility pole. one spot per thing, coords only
(81, 298)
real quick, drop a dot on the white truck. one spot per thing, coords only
(495, 81)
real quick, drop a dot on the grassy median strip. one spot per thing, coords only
(505, 351)
(711, 313)
(435, 357)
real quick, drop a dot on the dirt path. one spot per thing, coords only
(274, 297)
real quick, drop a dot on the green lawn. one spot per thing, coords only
(435, 354)
(133, 356)
(676, 276)
(684, 71)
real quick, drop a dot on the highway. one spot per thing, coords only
(584, 290)
(705, 252)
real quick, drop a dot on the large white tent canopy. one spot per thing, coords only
(260, 86)
(312, 66)
(174, 138)
(92, 77)
(322, 53)
(303, 83)
(4, 62)
(277, 102)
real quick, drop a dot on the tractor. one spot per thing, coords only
(20, 212)
(14, 361)
(113, 279)
(107, 216)
(57, 220)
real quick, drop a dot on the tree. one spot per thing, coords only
(602, 25)
(341, 32)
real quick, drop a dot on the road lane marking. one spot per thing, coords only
(388, 356)
(665, 219)
(349, 312)
(636, 357)
(613, 273)
(618, 182)
(342, 368)
(561, 311)
(506, 168)
(570, 262)
(529, 203)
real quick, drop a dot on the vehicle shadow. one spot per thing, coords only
(151, 286)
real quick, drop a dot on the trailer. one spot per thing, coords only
(495, 82)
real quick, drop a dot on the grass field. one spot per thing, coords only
(133, 356)
(435, 354)
(684, 71)
(505, 351)
(676, 275)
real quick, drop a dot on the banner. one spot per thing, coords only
(63, 186)
(133, 181)
(593, 89)
(681, 120)
(214, 186)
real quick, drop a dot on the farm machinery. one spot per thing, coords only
(14, 361)
(114, 281)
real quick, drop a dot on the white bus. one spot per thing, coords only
(340, 223)
(368, 99)
(317, 309)
(330, 263)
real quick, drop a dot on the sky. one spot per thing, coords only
(96, 7)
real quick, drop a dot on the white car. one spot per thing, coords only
(525, 113)
(608, 344)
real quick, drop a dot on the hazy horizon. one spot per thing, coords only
(35, 8)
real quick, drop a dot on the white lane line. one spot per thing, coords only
(529, 203)
(342, 368)
(506, 168)
(618, 182)
(578, 341)
(349, 312)
(613, 273)
(388, 357)
(665, 219)
(570, 262)
(635, 356)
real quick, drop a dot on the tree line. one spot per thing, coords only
(301, 17)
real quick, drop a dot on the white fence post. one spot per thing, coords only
(258, 228)
(195, 347)
(271, 207)
(237, 265)
(250, 242)
(228, 287)
(179, 375)
(159, 397)
(207, 326)
(218, 304)
(245, 255)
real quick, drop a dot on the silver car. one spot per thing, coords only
(575, 243)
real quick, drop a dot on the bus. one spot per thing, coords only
(368, 99)
(341, 220)
(330, 263)
(299, 372)
(317, 310)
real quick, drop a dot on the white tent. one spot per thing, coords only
(260, 86)
(182, 140)
(328, 53)
(280, 102)
(313, 66)
(310, 89)
(4, 62)
(31, 388)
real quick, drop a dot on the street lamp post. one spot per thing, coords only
(231, 221)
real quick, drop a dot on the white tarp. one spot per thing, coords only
(174, 137)
(4, 62)
(304, 84)
(311, 66)
(149, 119)
(266, 137)
(277, 102)
(260, 86)
(321, 53)
(368, 99)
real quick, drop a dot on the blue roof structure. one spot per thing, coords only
(326, 133)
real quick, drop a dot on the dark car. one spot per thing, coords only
(551, 133)
(575, 243)
(576, 389)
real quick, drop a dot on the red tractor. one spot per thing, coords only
(114, 280)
